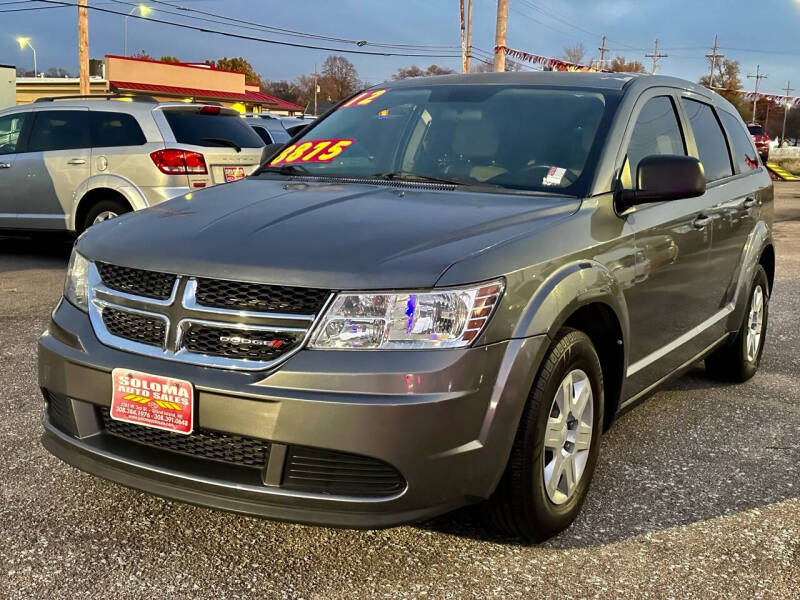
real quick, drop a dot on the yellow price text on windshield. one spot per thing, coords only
(318, 151)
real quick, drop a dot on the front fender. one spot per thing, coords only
(107, 181)
(566, 290)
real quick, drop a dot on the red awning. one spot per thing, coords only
(170, 90)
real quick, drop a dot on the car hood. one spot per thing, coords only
(329, 235)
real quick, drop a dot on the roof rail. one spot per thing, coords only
(131, 98)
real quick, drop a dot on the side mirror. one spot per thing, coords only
(664, 177)
(269, 151)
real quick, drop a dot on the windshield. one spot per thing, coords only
(524, 138)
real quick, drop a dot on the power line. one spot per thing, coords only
(254, 38)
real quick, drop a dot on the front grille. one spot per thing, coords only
(137, 281)
(182, 318)
(248, 344)
(135, 327)
(237, 295)
(337, 473)
(203, 443)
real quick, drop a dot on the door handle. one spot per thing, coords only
(749, 203)
(701, 221)
(5, 165)
(76, 161)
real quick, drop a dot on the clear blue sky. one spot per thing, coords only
(763, 32)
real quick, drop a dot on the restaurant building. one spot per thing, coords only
(166, 82)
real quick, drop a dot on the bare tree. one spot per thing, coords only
(620, 65)
(339, 77)
(574, 54)
(415, 71)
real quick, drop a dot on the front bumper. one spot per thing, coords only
(444, 419)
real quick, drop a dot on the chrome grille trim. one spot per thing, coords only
(179, 313)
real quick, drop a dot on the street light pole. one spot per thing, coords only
(143, 10)
(26, 41)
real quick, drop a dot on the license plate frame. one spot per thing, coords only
(155, 401)
(232, 174)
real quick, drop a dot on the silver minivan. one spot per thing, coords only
(68, 163)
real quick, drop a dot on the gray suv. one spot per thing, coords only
(440, 294)
(68, 163)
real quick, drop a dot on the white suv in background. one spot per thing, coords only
(68, 163)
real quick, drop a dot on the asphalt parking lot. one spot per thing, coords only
(697, 494)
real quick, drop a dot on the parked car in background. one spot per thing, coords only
(294, 125)
(760, 139)
(68, 163)
(270, 129)
(423, 302)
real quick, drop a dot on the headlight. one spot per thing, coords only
(450, 318)
(76, 287)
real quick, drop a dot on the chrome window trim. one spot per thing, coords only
(188, 312)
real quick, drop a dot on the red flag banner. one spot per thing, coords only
(548, 63)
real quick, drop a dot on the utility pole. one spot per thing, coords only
(786, 105)
(316, 89)
(83, 47)
(758, 77)
(469, 35)
(500, 35)
(463, 39)
(603, 51)
(655, 56)
(713, 58)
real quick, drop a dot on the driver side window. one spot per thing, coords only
(657, 131)
(10, 128)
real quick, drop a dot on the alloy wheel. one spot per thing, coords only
(104, 216)
(568, 436)
(755, 324)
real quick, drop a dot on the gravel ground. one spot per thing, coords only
(697, 494)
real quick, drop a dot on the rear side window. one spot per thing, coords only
(656, 132)
(212, 130)
(711, 144)
(59, 130)
(755, 129)
(10, 128)
(263, 134)
(744, 153)
(114, 129)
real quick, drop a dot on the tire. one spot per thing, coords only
(104, 207)
(738, 361)
(521, 506)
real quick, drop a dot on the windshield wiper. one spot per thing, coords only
(409, 176)
(222, 142)
(284, 170)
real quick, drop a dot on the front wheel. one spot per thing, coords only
(739, 360)
(556, 446)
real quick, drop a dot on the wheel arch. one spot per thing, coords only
(104, 186)
(586, 296)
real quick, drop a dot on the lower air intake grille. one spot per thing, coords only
(337, 473)
(248, 344)
(133, 326)
(203, 443)
(59, 412)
